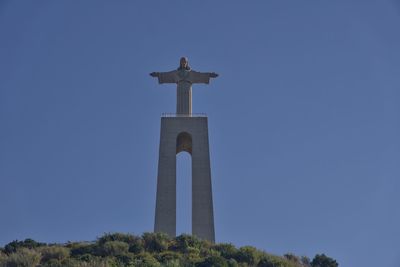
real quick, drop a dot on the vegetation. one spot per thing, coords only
(149, 250)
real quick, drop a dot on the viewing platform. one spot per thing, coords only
(176, 115)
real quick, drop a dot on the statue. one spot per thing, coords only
(184, 77)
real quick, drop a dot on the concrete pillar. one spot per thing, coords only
(165, 218)
(185, 134)
(202, 203)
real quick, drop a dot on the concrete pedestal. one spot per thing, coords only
(190, 134)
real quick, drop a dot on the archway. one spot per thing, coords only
(183, 183)
(184, 143)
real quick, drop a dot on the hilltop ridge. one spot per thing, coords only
(148, 250)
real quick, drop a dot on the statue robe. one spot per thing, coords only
(184, 80)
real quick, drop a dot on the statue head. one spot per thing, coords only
(184, 64)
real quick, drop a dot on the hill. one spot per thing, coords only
(148, 250)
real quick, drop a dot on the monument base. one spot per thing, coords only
(185, 133)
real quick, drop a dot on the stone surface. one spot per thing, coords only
(185, 134)
(184, 80)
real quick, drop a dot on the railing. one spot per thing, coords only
(175, 115)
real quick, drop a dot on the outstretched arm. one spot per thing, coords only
(154, 74)
(165, 77)
(202, 77)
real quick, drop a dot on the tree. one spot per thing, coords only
(305, 261)
(27, 243)
(321, 260)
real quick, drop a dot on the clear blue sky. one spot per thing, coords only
(304, 120)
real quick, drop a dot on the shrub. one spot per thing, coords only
(127, 238)
(136, 246)
(247, 254)
(3, 259)
(126, 259)
(69, 262)
(305, 261)
(145, 260)
(321, 260)
(191, 259)
(52, 263)
(215, 261)
(268, 260)
(114, 248)
(265, 262)
(168, 256)
(54, 252)
(183, 243)
(155, 242)
(232, 263)
(23, 257)
(291, 257)
(27, 243)
(172, 263)
(87, 260)
(227, 251)
(135, 243)
(95, 262)
(208, 252)
(83, 248)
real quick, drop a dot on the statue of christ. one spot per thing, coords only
(184, 77)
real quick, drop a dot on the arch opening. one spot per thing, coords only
(184, 143)
(183, 193)
(184, 183)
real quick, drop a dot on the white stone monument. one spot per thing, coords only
(184, 131)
